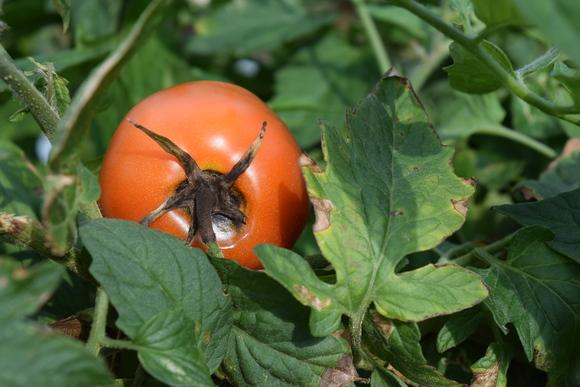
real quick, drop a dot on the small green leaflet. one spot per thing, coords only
(388, 191)
(470, 75)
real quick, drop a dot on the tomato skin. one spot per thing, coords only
(215, 123)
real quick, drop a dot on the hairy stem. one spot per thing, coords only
(98, 329)
(509, 79)
(373, 34)
(38, 106)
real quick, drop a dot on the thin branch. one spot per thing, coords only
(98, 329)
(472, 45)
(373, 34)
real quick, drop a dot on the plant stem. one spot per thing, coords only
(502, 131)
(98, 329)
(373, 34)
(40, 109)
(517, 86)
(491, 249)
(118, 344)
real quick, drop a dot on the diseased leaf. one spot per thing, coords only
(147, 273)
(562, 177)
(458, 328)
(270, 343)
(560, 214)
(244, 27)
(384, 378)
(29, 357)
(398, 343)
(491, 370)
(537, 290)
(387, 191)
(23, 290)
(470, 75)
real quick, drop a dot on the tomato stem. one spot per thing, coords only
(204, 195)
(99, 326)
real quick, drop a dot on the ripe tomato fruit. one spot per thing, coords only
(215, 123)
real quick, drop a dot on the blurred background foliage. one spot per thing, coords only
(309, 59)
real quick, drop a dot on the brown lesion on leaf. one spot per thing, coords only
(73, 326)
(343, 374)
(570, 147)
(487, 377)
(311, 298)
(306, 162)
(461, 206)
(396, 213)
(322, 210)
(13, 224)
(207, 196)
(384, 325)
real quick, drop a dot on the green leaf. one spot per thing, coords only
(29, 357)
(570, 78)
(271, 344)
(458, 328)
(399, 17)
(23, 290)
(94, 20)
(537, 290)
(460, 115)
(497, 13)
(561, 177)
(398, 343)
(318, 84)
(244, 27)
(387, 191)
(434, 291)
(491, 370)
(147, 273)
(562, 29)
(532, 121)
(20, 183)
(384, 378)
(470, 75)
(559, 214)
(168, 350)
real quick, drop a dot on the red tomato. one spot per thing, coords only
(215, 123)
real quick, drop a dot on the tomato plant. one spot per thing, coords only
(215, 123)
(439, 149)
